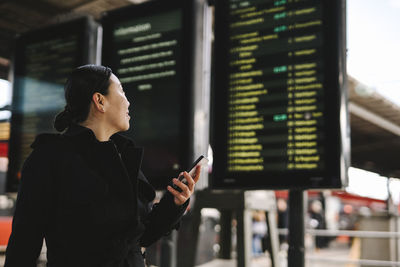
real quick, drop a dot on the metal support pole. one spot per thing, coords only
(226, 234)
(187, 255)
(243, 235)
(240, 240)
(168, 250)
(296, 229)
(398, 239)
(273, 238)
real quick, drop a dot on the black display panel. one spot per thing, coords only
(278, 94)
(148, 48)
(43, 60)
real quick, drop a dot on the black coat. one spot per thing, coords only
(90, 202)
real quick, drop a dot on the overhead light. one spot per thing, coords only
(138, 1)
(364, 90)
(4, 62)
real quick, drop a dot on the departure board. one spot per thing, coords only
(43, 60)
(278, 89)
(148, 48)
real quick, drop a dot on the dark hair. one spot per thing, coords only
(81, 84)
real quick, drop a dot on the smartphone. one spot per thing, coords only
(202, 161)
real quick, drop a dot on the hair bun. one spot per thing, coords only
(63, 120)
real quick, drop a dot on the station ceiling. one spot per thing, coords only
(18, 16)
(375, 122)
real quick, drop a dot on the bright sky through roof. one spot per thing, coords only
(5, 98)
(5, 93)
(367, 184)
(373, 42)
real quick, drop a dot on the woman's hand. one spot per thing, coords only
(187, 190)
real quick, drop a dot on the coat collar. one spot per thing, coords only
(130, 154)
(81, 132)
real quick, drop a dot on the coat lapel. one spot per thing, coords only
(132, 159)
(118, 161)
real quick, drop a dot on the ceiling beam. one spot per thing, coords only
(367, 115)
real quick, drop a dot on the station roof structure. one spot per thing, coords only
(18, 16)
(375, 131)
(375, 121)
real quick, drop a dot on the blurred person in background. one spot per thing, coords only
(317, 221)
(259, 227)
(283, 218)
(83, 190)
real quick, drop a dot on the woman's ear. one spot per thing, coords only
(98, 100)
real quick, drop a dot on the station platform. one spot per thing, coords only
(334, 256)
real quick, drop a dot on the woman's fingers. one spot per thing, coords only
(190, 181)
(197, 176)
(185, 189)
(178, 197)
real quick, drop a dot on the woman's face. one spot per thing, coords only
(117, 112)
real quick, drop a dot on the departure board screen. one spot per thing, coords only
(147, 47)
(43, 60)
(277, 85)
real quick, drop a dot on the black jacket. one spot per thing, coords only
(90, 202)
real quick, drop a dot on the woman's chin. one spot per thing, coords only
(126, 127)
(123, 128)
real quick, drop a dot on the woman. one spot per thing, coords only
(83, 190)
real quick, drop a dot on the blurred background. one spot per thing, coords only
(355, 224)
